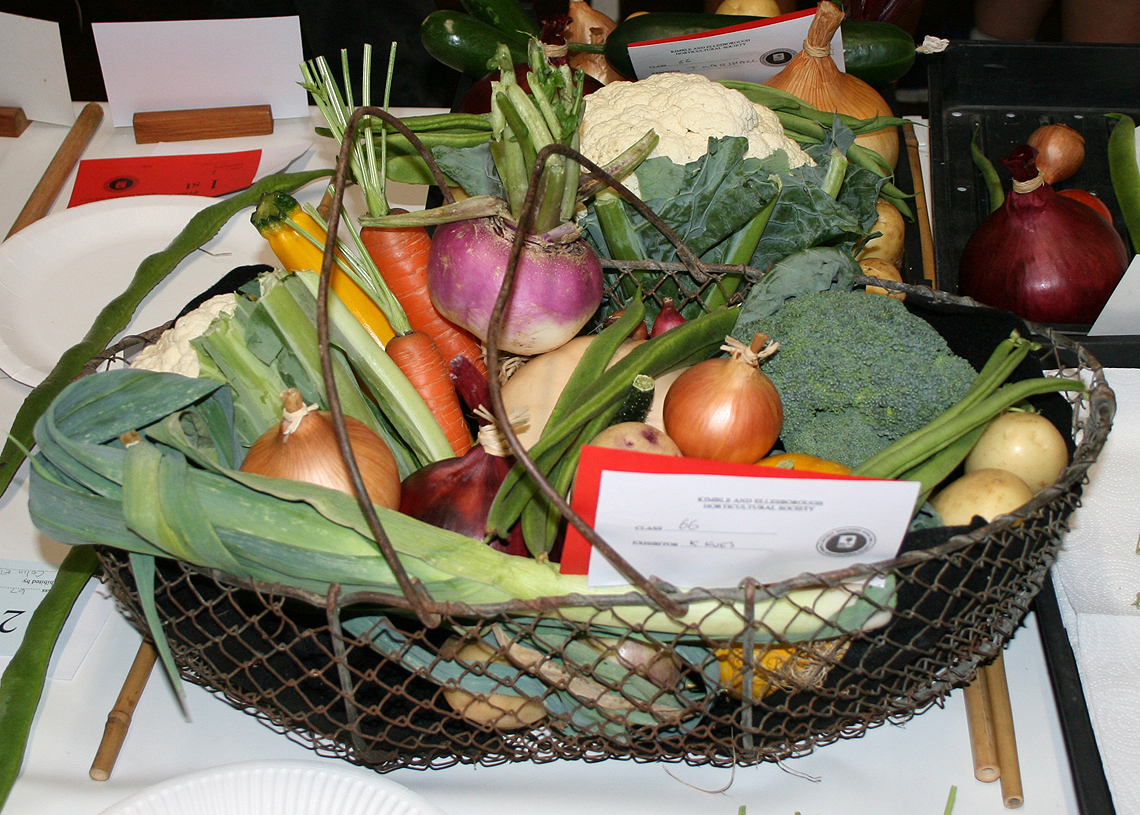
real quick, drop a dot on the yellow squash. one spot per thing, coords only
(280, 218)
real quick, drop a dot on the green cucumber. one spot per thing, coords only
(505, 15)
(878, 53)
(466, 44)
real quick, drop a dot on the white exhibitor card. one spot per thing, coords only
(708, 528)
(749, 52)
(191, 64)
(23, 585)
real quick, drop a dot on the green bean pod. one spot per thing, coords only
(994, 189)
(116, 315)
(23, 681)
(1124, 172)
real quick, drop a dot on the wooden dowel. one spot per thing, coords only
(1004, 737)
(43, 196)
(921, 213)
(983, 742)
(119, 719)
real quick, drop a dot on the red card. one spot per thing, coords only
(208, 174)
(576, 550)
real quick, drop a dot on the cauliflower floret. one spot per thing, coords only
(172, 351)
(685, 110)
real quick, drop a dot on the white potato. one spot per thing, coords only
(884, 270)
(637, 436)
(1026, 444)
(503, 711)
(891, 244)
(988, 493)
(538, 383)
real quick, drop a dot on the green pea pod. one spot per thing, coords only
(23, 680)
(1124, 172)
(994, 189)
(118, 313)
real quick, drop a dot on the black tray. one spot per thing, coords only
(1005, 91)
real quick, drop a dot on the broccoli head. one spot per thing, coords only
(857, 371)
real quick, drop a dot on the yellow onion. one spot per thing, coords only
(813, 76)
(588, 25)
(1060, 151)
(303, 447)
(726, 409)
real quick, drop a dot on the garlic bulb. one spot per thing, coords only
(813, 76)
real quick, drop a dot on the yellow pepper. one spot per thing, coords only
(277, 218)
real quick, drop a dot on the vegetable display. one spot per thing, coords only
(670, 266)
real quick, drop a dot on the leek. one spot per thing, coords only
(85, 489)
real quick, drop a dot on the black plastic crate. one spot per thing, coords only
(1005, 91)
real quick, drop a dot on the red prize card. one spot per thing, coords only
(677, 516)
(208, 174)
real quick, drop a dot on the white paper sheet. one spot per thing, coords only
(191, 64)
(709, 530)
(1121, 314)
(23, 585)
(33, 74)
(753, 53)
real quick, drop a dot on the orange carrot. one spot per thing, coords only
(417, 356)
(401, 255)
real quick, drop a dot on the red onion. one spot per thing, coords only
(558, 285)
(456, 493)
(668, 317)
(1043, 256)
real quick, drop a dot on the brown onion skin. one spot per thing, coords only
(704, 408)
(271, 456)
(1038, 284)
(1060, 151)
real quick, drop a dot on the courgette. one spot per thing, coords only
(506, 15)
(878, 53)
(466, 44)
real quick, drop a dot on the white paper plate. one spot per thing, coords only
(57, 273)
(275, 788)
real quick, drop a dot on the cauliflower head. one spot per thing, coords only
(172, 352)
(685, 110)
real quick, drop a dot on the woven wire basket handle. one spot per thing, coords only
(419, 599)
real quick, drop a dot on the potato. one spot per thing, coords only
(750, 8)
(1026, 444)
(989, 493)
(538, 382)
(891, 244)
(884, 270)
(637, 436)
(503, 711)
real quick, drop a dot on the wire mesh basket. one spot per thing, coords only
(754, 673)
